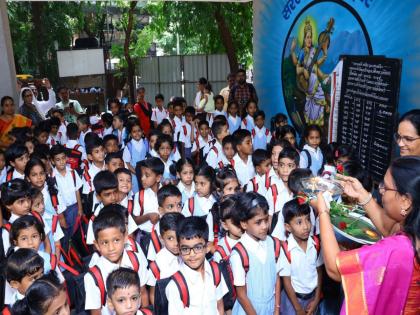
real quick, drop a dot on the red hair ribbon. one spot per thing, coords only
(340, 169)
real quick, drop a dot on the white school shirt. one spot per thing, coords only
(168, 264)
(61, 203)
(316, 159)
(82, 137)
(108, 131)
(219, 113)
(93, 296)
(62, 133)
(234, 123)
(203, 293)
(302, 269)
(260, 138)
(248, 123)
(3, 175)
(138, 146)
(178, 131)
(201, 143)
(72, 143)
(186, 131)
(244, 171)
(260, 181)
(16, 174)
(67, 186)
(258, 248)
(153, 153)
(184, 191)
(53, 140)
(93, 170)
(205, 204)
(150, 205)
(227, 243)
(214, 158)
(159, 115)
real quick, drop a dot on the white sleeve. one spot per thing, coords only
(238, 271)
(77, 107)
(151, 252)
(143, 274)
(151, 281)
(126, 155)
(132, 226)
(209, 220)
(6, 240)
(269, 197)
(79, 182)
(154, 116)
(248, 187)
(303, 163)
(194, 146)
(217, 257)
(93, 294)
(89, 235)
(186, 210)
(175, 304)
(221, 289)
(283, 265)
(61, 203)
(212, 159)
(59, 234)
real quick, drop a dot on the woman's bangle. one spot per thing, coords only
(365, 202)
(322, 212)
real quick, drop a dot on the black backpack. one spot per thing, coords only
(161, 301)
(224, 264)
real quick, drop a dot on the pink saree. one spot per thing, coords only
(376, 278)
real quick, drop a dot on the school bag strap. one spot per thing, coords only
(37, 216)
(96, 274)
(9, 175)
(309, 158)
(130, 206)
(7, 226)
(154, 237)
(54, 223)
(267, 132)
(66, 267)
(146, 311)
(73, 175)
(215, 150)
(191, 205)
(53, 261)
(232, 162)
(285, 247)
(134, 260)
(243, 254)
(6, 311)
(154, 268)
(217, 273)
(244, 122)
(54, 201)
(277, 247)
(274, 193)
(133, 244)
(317, 244)
(184, 128)
(253, 133)
(221, 252)
(254, 185)
(141, 201)
(87, 177)
(267, 180)
(181, 283)
(221, 165)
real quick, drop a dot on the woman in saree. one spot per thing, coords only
(28, 106)
(383, 278)
(9, 120)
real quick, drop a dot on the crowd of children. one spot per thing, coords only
(201, 215)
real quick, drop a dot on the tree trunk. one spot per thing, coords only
(130, 63)
(37, 8)
(226, 37)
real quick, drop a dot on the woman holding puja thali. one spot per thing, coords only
(383, 278)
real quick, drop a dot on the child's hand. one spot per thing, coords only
(311, 307)
(154, 217)
(300, 311)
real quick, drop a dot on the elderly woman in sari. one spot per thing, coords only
(9, 120)
(383, 278)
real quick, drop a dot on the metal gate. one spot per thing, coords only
(178, 75)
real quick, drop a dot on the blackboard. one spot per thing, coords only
(368, 109)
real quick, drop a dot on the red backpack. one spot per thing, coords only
(74, 157)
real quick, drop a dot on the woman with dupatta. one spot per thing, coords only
(28, 106)
(9, 120)
(383, 278)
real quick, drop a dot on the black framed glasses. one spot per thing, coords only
(198, 249)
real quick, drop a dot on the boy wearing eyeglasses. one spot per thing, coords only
(203, 283)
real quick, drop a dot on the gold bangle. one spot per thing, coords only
(323, 213)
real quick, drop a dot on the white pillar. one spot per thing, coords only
(7, 62)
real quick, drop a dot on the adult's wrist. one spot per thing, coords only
(364, 195)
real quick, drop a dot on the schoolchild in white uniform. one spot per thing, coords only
(96, 156)
(109, 228)
(248, 121)
(233, 118)
(215, 155)
(262, 162)
(83, 123)
(254, 258)
(201, 140)
(243, 157)
(185, 174)
(205, 291)
(300, 261)
(261, 136)
(17, 156)
(72, 140)
(311, 156)
(219, 103)
(159, 112)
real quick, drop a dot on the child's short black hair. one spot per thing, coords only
(164, 139)
(107, 119)
(167, 191)
(190, 110)
(14, 152)
(259, 113)
(25, 222)
(104, 180)
(192, 227)
(109, 217)
(177, 103)
(280, 118)
(203, 122)
(219, 97)
(23, 262)
(227, 207)
(344, 150)
(93, 144)
(43, 126)
(34, 193)
(154, 132)
(329, 153)
(122, 278)
(354, 169)
(170, 222)
(72, 131)
(56, 150)
(290, 153)
(223, 175)
(159, 96)
(240, 135)
(113, 155)
(293, 209)
(249, 205)
(154, 164)
(41, 152)
(220, 118)
(229, 139)
(122, 170)
(217, 127)
(54, 121)
(109, 137)
(13, 190)
(295, 178)
(84, 119)
(259, 156)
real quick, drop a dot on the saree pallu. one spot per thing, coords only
(18, 121)
(376, 279)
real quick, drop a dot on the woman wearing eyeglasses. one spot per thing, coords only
(383, 278)
(408, 135)
(27, 106)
